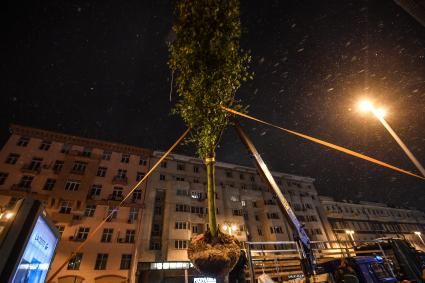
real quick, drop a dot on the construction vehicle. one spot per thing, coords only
(367, 268)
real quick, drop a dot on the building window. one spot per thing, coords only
(229, 174)
(137, 194)
(86, 152)
(45, 145)
(112, 213)
(197, 209)
(106, 155)
(12, 158)
(35, 164)
(125, 261)
(272, 215)
(95, 190)
(139, 176)
(162, 177)
(237, 212)
(180, 167)
(72, 186)
(125, 158)
(195, 169)
(26, 181)
(74, 263)
(23, 141)
(57, 167)
(252, 178)
(3, 177)
(49, 185)
(101, 261)
(101, 171)
(122, 174)
(195, 229)
(65, 207)
(117, 193)
(60, 228)
(83, 233)
(158, 210)
(143, 161)
(90, 209)
(178, 178)
(276, 230)
(241, 176)
(134, 212)
(164, 164)
(107, 235)
(79, 167)
(156, 230)
(155, 246)
(182, 208)
(66, 148)
(181, 225)
(180, 244)
(129, 236)
(260, 232)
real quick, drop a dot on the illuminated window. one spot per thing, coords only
(74, 263)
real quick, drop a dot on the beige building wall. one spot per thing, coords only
(176, 194)
(371, 220)
(69, 150)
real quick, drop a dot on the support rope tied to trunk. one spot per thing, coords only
(116, 209)
(325, 143)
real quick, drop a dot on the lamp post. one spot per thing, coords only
(417, 233)
(379, 113)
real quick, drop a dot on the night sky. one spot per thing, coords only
(98, 69)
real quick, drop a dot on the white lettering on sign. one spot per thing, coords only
(204, 280)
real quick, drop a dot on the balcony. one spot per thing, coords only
(120, 180)
(31, 169)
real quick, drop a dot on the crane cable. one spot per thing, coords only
(325, 143)
(116, 208)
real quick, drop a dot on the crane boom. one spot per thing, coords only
(300, 236)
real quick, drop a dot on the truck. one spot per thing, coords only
(368, 269)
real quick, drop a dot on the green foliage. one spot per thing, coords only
(209, 67)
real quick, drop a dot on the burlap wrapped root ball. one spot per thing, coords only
(214, 259)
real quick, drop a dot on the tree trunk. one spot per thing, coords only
(212, 217)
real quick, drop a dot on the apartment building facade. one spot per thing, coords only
(176, 209)
(370, 220)
(80, 181)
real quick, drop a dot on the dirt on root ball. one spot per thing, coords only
(214, 258)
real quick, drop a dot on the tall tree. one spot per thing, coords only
(209, 67)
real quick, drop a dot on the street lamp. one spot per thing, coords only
(379, 113)
(229, 228)
(417, 233)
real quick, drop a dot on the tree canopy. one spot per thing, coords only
(209, 67)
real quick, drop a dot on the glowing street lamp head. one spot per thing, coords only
(365, 106)
(349, 232)
(225, 227)
(234, 227)
(380, 113)
(417, 233)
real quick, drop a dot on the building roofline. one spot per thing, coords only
(196, 160)
(75, 140)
